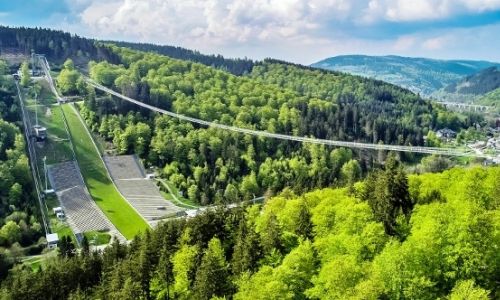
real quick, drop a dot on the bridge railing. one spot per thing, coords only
(357, 145)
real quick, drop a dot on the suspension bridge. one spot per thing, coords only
(356, 145)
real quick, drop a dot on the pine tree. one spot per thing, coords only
(212, 277)
(66, 247)
(271, 235)
(77, 295)
(85, 246)
(163, 277)
(71, 250)
(388, 195)
(145, 264)
(247, 250)
(304, 225)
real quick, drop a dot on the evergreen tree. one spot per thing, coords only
(66, 247)
(146, 257)
(247, 249)
(163, 277)
(304, 225)
(271, 235)
(212, 277)
(184, 268)
(85, 246)
(5, 265)
(388, 195)
(77, 295)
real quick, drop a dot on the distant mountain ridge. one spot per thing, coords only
(479, 83)
(421, 75)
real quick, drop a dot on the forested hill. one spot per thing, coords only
(211, 165)
(491, 99)
(421, 75)
(236, 66)
(479, 83)
(58, 46)
(365, 109)
(327, 244)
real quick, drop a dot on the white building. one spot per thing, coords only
(52, 240)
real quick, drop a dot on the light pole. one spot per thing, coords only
(45, 173)
(36, 109)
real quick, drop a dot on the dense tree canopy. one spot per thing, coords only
(326, 244)
(58, 46)
(19, 225)
(234, 66)
(69, 80)
(392, 236)
(210, 165)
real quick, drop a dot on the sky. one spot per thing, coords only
(294, 30)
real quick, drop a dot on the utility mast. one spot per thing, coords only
(36, 109)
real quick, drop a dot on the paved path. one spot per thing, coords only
(171, 192)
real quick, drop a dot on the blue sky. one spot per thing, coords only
(295, 30)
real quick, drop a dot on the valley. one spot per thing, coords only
(165, 173)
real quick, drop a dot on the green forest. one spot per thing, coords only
(20, 229)
(58, 45)
(335, 223)
(214, 166)
(441, 242)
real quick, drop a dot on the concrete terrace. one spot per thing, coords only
(81, 211)
(143, 194)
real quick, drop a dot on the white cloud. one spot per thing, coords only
(300, 30)
(217, 21)
(436, 43)
(481, 5)
(404, 43)
(457, 43)
(418, 10)
(211, 24)
(220, 21)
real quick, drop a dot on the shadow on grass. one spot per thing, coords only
(96, 171)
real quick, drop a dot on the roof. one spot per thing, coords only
(52, 238)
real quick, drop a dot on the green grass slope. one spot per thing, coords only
(100, 186)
